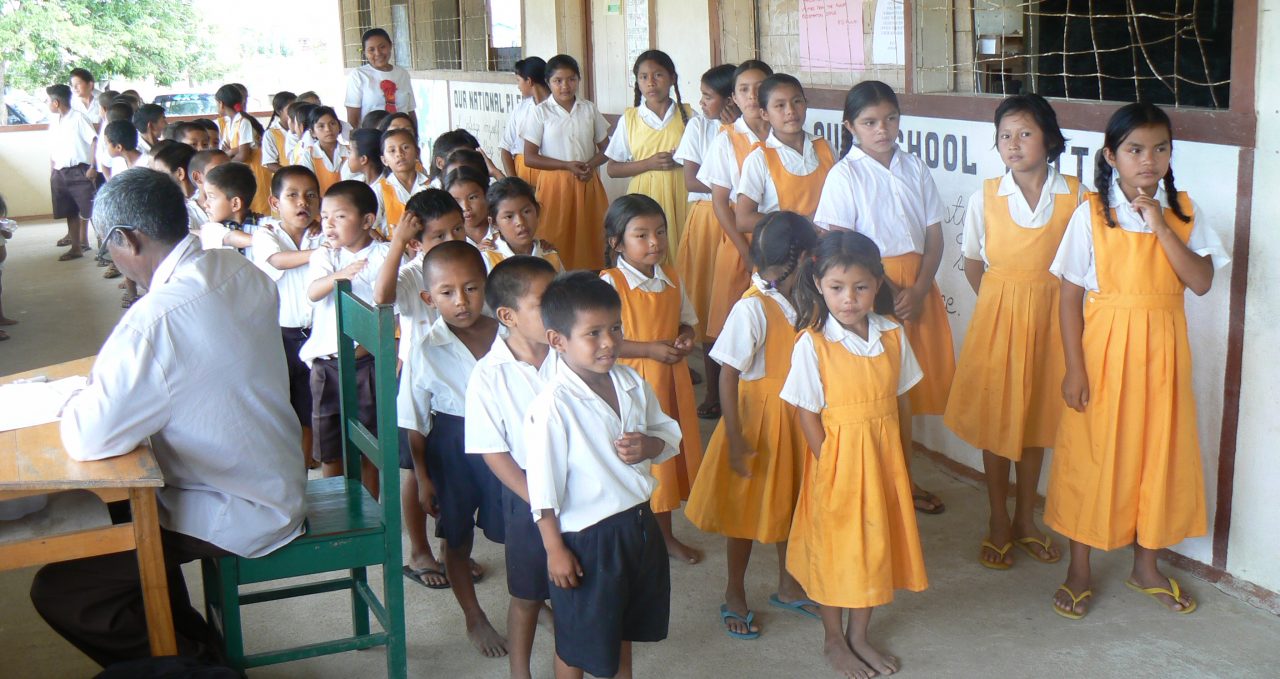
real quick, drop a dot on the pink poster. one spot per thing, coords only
(831, 35)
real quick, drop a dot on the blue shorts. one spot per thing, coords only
(526, 556)
(467, 493)
(624, 596)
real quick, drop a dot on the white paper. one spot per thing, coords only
(32, 403)
(887, 41)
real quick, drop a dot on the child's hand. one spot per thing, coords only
(1151, 212)
(1075, 389)
(546, 246)
(427, 497)
(313, 229)
(908, 304)
(684, 341)
(633, 447)
(740, 455)
(662, 161)
(664, 352)
(377, 236)
(406, 229)
(351, 270)
(581, 170)
(487, 244)
(563, 567)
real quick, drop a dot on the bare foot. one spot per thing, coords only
(736, 602)
(682, 552)
(1158, 579)
(841, 659)
(477, 571)
(1078, 586)
(880, 662)
(7, 321)
(487, 640)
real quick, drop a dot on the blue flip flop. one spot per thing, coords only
(726, 615)
(796, 606)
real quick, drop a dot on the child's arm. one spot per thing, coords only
(904, 423)
(973, 271)
(509, 473)
(729, 221)
(739, 451)
(242, 153)
(1195, 271)
(661, 160)
(237, 239)
(562, 566)
(508, 163)
(663, 352)
(1075, 385)
(908, 303)
(495, 173)
(291, 260)
(426, 489)
(811, 427)
(746, 213)
(533, 158)
(323, 287)
(691, 182)
(584, 171)
(384, 288)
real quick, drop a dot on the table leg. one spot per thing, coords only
(155, 582)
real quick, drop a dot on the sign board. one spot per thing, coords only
(482, 109)
(831, 35)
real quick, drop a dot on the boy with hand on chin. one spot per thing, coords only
(592, 435)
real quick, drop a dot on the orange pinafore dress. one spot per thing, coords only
(664, 186)
(261, 203)
(854, 538)
(1011, 362)
(392, 206)
(1128, 468)
(800, 193)
(732, 274)
(493, 257)
(759, 507)
(649, 317)
(930, 338)
(324, 176)
(696, 260)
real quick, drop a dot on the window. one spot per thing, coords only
(445, 35)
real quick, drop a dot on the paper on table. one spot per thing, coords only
(31, 403)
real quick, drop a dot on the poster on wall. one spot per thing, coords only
(482, 109)
(831, 35)
(637, 37)
(433, 110)
(888, 31)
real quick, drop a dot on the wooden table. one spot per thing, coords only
(33, 462)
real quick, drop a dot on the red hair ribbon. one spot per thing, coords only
(388, 88)
(238, 108)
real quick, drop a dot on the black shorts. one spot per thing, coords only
(624, 596)
(72, 192)
(299, 373)
(326, 405)
(526, 556)
(467, 493)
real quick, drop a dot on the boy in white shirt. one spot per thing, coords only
(201, 163)
(122, 146)
(228, 191)
(72, 175)
(150, 120)
(591, 437)
(458, 488)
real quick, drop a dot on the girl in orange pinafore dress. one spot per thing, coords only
(1126, 464)
(324, 155)
(400, 182)
(531, 80)
(854, 538)
(241, 138)
(1011, 361)
(657, 324)
(747, 486)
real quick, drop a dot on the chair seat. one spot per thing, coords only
(339, 506)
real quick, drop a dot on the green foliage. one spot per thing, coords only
(162, 40)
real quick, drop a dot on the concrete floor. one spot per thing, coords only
(971, 622)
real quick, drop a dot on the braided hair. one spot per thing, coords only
(839, 248)
(663, 60)
(1122, 123)
(781, 239)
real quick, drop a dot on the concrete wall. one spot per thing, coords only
(24, 172)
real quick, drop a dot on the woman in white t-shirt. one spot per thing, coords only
(378, 84)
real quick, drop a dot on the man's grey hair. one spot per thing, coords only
(146, 200)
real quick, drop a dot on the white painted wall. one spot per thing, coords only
(681, 29)
(24, 172)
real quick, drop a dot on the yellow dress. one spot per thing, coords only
(261, 203)
(649, 317)
(732, 275)
(799, 193)
(493, 257)
(696, 260)
(664, 186)
(1128, 468)
(324, 176)
(759, 507)
(930, 338)
(525, 172)
(573, 217)
(1011, 364)
(854, 538)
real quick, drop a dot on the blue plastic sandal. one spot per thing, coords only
(726, 615)
(796, 606)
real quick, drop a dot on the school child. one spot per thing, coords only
(1011, 361)
(1126, 470)
(747, 485)
(7, 227)
(593, 435)
(458, 488)
(228, 192)
(468, 187)
(211, 131)
(502, 386)
(564, 140)
(658, 321)
(86, 97)
(457, 140)
(531, 80)
(276, 143)
(282, 249)
(720, 171)
(888, 195)
(174, 160)
(72, 175)
(101, 156)
(193, 135)
(696, 256)
(471, 158)
(644, 143)
(298, 114)
(122, 146)
(514, 212)
(853, 538)
(347, 213)
(150, 120)
(401, 180)
(201, 163)
(373, 119)
(397, 121)
(324, 155)
(365, 162)
(242, 140)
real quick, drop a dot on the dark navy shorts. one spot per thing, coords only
(467, 493)
(526, 556)
(326, 405)
(299, 373)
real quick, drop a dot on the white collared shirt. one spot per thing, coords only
(619, 148)
(741, 343)
(699, 133)
(71, 138)
(573, 467)
(416, 316)
(270, 238)
(513, 133)
(892, 206)
(324, 316)
(434, 379)
(271, 146)
(402, 192)
(656, 283)
(92, 111)
(1076, 260)
(196, 366)
(974, 241)
(238, 133)
(570, 136)
(196, 216)
(307, 155)
(720, 166)
(501, 389)
(501, 246)
(364, 90)
(756, 183)
(803, 388)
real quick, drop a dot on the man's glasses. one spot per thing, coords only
(119, 227)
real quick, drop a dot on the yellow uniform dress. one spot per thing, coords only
(664, 186)
(1128, 468)
(930, 338)
(854, 538)
(1011, 364)
(696, 260)
(759, 507)
(261, 203)
(525, 172)
(732, 274)
(493, 257)
(324, 176)
(650, 317)
(799, 193)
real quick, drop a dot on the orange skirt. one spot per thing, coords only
(674, 389)
(573, 217)
(930, 339)
(696, 261)
(732, 278)
(261, 198)
(525, 172)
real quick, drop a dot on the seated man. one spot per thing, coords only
(196, 367)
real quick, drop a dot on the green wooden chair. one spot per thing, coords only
(346, 529)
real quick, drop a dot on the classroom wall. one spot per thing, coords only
(24, 172)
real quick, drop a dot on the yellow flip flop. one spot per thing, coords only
(996, 565)
(1174, 590)
(1045, 543)
(1075, 600)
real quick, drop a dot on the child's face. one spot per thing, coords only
(442, 230)
(82, 88)
(196, 139)
(525, 85)
(517, 221)
(744, 93)
(875, 128)
(654, 81)
(400, 153)
(786, 110)
(344, 225)
(591, 347)
(644, 242)
(114, 150)
(470, 197)
(711, 102)
(564, 85)
(1021, 143)
(850, 294)
(218, 206)
(456, 289)
(1143, 157)
(156, 129)
(298, 202)
(525, 319)
(326, 130)
(400, 124)
(179, 175)
(356, 162)
(55, 106)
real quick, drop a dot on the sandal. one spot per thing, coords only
(68, 256)
(416, 575)
(3, 335)
(1075, 601)
(695, 377)
(127, 302)
(111, 272)
(726, 615)
(1000, 551)
(709, 411)
(919, 496)
(797, 606)
(63, 242)
(1044, 543)
(1174, 590)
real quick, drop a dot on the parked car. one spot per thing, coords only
(21, 113)
(188, 104)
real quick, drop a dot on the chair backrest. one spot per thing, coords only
(373, 328)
